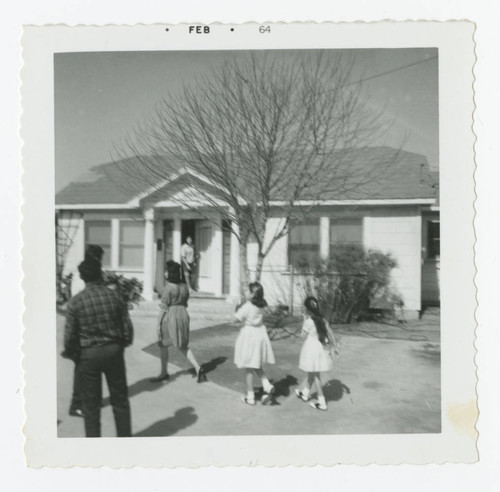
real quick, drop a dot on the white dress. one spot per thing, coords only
(253, 347)
(314, 357)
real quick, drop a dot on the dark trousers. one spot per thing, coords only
(107, 360)
(76, 401)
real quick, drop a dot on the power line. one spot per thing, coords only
(394, 70)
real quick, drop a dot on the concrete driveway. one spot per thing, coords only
(379, 385)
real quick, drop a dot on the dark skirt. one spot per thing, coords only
(175, 327)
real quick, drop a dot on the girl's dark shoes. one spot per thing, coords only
(301, 395)
(318, 406)
(202, 375)
(267, 397)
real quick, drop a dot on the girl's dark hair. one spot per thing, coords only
(257, 292)
(311, 304)
(174, 273)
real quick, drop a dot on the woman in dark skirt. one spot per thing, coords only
(173, 322)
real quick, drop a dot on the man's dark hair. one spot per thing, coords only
(90, 270)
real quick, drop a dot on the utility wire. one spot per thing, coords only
(393, 70)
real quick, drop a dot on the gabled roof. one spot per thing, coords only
(392, 174)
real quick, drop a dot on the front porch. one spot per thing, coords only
(216, 250)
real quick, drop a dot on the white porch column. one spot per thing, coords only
(115, 244)
(234, 279)
(217, 257)
(324, 237)
(149, 250)
(176, 239)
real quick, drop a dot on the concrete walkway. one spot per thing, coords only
(378, 385)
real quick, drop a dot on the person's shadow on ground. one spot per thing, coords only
(212, 365)
(282, 387)
(334, 390)
(183, 418)
(145, 384)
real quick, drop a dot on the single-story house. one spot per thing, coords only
(398, 214)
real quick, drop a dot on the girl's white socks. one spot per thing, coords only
(266, 385)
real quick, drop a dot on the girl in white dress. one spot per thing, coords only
(315, 356)
(253, 347)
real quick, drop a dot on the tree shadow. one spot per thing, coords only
(145, 384)
(334, 390)
(183, 418)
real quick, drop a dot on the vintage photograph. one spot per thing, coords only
(247, 242)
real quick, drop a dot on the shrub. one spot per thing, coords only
(63, 283)
(129, 289)
(348, 283)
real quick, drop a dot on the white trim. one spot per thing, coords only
(133, 204)
(93, 206)
(389, 201)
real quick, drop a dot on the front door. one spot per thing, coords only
(204, 251)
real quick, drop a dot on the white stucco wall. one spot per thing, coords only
(390, 230)
(398, 232)
(395, 230)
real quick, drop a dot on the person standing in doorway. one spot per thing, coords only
(97, 330)
(188, 263)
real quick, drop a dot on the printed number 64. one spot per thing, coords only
(263, 29)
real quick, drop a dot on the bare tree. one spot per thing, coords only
(258, 135)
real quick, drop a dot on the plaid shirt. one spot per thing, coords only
(96, 316)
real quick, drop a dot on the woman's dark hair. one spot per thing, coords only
(174, 273)
(90, 270)
(257, 292)
(311, 304)
(94, 252)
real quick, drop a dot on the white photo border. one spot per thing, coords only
(456, 442)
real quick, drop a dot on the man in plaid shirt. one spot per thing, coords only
(98, 328)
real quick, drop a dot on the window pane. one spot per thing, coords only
(303, 256)
(346, 231)
(131, 256)
(98, 232)
(131, 244)
(131, 232)
(305, 233)
(434, 243)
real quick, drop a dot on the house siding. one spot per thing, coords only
(398, 232)
(76, 251)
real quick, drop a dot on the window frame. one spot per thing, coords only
(332, 244)
(309, 247)
(120, 244)
(86, 241)
(431, 240)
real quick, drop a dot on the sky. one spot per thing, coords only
(99, 97)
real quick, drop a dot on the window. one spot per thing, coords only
(433, 239)
(303, 244)
(98, 232)
(346, 231)
(131, 244)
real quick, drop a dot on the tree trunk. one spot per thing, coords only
(244, 277)
(260, 264)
